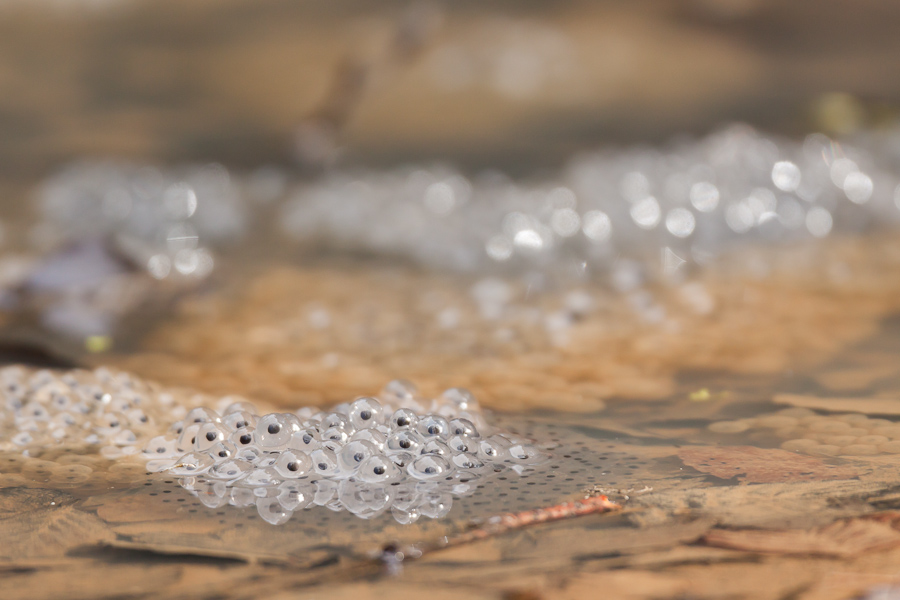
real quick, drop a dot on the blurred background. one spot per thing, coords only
(513, 85)
(146, 145)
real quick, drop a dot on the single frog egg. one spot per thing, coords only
(378, 469)
(403, 441)
(208, 435)
(192, 464)
(404, 418)
(273, 431)
(429, 466)
(293, 465)
(433, 426)
(353, 455)
(365, 413)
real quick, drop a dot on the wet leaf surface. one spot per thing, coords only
(761, 465)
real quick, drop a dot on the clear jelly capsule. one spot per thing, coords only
(23, 438)
(352, 455)
(230, 469)
(405, 517)
(400, 392)
(212, 494)
(464, 427)
(403, 441)
(459, 443)
(433, 426)
(326, 490)
(262, 477)
(401, 459)
(429, 466)
(222, 451)
(158, 465)
(332, 445)
(435, 446)
(28, 424)
(378, 469)
(250, 453)
(241, 496)
(324, 462)
(160, 447)
(491, 450)
(373, 436)
(294, 495)
(273, 431)
(239, 420)
(306, 439)
(293, 465)
(208, 435)
(238, 405)
(202, 415)
(111, 452)
(468, 462)
(108, 424)
(365, 413)
(335, 434)
(524, 453)
(365, 500)
(192, 464)
(137, 417)
(335, 420)
(271, 511)
(404, 418)
(436, 505)
(406, 496)
(126, 437)
(266, 459)
(63, 419)
(244, 438)
(460, 399)
(188, 438)
(120, 404)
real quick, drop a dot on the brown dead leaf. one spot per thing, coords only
(136, 509)
(50, 532)
(841, 539)
(869, 406)
(760, 465)
(855, 378)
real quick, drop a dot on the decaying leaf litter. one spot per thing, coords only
(684, 504)
(736, 506)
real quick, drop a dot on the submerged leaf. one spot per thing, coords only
(869, 406)
(760, 465)
(840, 539)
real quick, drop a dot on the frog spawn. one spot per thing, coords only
(368, 457)
(394, 453)
(110, 413)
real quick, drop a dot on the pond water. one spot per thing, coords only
(788, 459)
(684, 355)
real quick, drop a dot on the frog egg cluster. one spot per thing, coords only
(113, 413)
(366, 457)
(164, 220)
(808, 432)
(685, 203)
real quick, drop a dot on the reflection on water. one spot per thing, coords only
(690, 492)
(760, 392)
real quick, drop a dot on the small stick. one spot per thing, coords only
(392, 557)
(508, 522)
